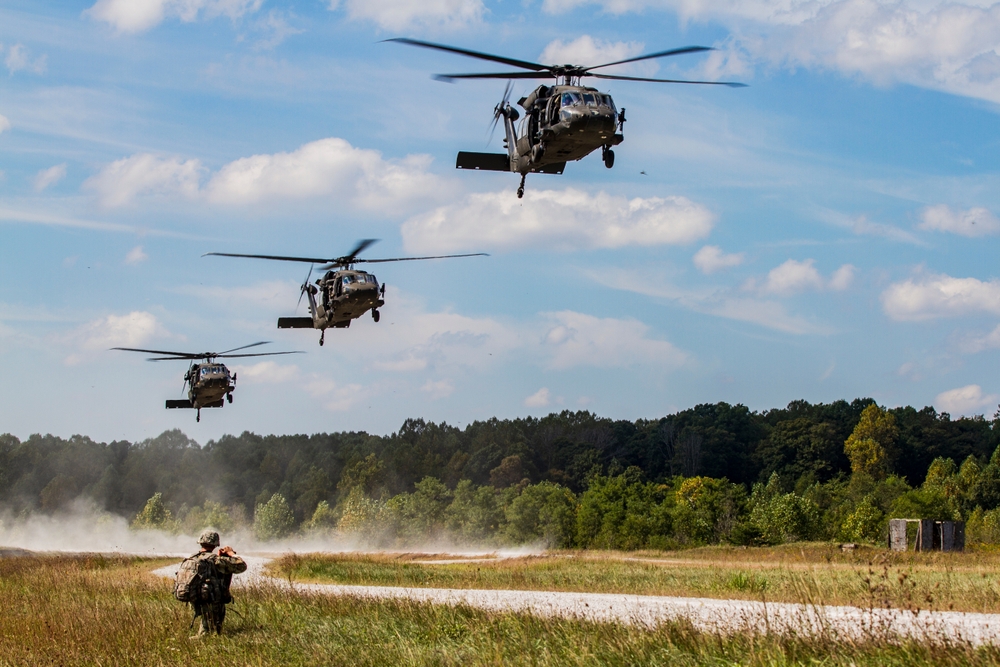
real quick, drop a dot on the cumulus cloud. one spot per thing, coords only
(438, 388)
(714, 301)
(539, 399)
(136, 256)
(131, 330)
(586, 50)
(141, 15)
(400, 15)
(123, 180)
(561, 219)
(327, 168)
(972, 222)
(966, 400)
(794, 277)
(50, 176)
(576, 339)
(266, 372)
(18, 59)
(929, 43)
(974, 344)
(711, 259)
(929, 296)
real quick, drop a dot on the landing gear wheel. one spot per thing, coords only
(375, 315)
(321, 337)
(609, 158)
(520, 188)
(229, 397)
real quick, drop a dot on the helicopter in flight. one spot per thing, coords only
(209, 382)
(563, 122)
(344, 293)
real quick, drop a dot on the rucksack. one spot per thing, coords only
(197, 580)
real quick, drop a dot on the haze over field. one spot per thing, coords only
(828, 232)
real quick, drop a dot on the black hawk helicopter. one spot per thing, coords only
(210, 383)
(567, 121)
(345, 293)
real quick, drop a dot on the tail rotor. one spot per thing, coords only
(304, 288)
(499, 109)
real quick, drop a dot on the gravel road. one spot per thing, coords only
(708, 614)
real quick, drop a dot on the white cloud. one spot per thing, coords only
(576, 339)
(438, 389)
(966, 400)
(268, 372)
(135, 256)
(400, 15)
(972, 223)
(586, 50)
(934, 44)
(539, 399)
(131, 330)
(140, 15)
(842, 278)
(4, 124)
(929, 296)
(558, 219)
(18, 59)
(974, 344)
(325, 168)
(711, 259)
(794, 276)
(123, 180)
(713, 301)
(338, 398)
(50, 176)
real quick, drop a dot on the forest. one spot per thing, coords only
(714, 473)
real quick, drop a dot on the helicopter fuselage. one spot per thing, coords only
(209, 384)
(561, 124)
(345, 295)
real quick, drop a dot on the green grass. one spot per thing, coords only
(814, 574)
(112, 611)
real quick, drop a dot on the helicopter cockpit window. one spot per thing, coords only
(569, 99)
(590, 99)
(608, 102)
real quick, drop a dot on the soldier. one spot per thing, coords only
(226, 563)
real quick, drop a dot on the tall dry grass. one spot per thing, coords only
(112, 611)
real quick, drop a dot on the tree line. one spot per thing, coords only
(712, 473)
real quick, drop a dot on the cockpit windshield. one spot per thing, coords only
(608, 102)
(571, 99)
(590, 99)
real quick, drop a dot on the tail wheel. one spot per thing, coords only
(229, 397)
(375, 315)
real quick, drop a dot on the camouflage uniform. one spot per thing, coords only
(213, 612)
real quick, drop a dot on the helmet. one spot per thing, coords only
(209, 538)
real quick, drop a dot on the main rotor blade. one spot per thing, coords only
(280, 258)
(187, 358)
(658, 54)
(259, 354)
(410, 259)
(174, 355)
(731, 84)
(263, 342)
(496, 75)
(472, 54)
(362, 244)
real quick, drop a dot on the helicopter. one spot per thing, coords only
(210, 382)
(564, 122)
(345, 293)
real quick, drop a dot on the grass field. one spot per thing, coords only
(809, 573)
(112, 611)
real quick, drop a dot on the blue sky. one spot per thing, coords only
(828, 232)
